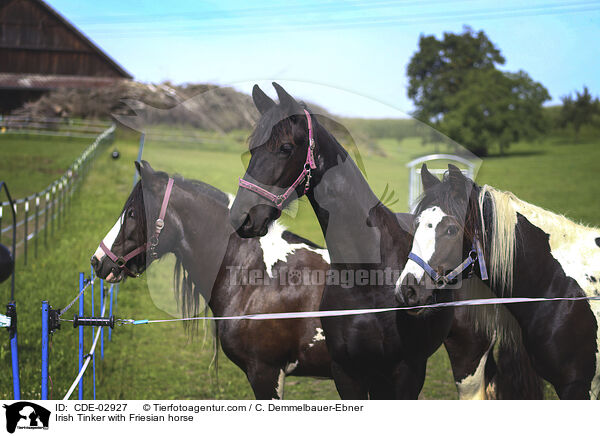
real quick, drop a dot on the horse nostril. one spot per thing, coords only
(410, 295)
(239, 221)
(94, 261)
(247, 224)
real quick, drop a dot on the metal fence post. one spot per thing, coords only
(139, 156)
(81, 285)
(58, 200)
(14, 236)
(63, 199)
(101, 306)
(93, 335)
(53, 208)
(45, 340)
(110, 311)
(11, 309)
(46, 212)
(37, 216)
(26, 232)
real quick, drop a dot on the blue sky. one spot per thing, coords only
(356, 46)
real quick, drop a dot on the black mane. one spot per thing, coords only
(196, 187)
(462, 204)
(186, 292)
(135, 204)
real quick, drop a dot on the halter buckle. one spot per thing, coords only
(441, 282)
(307, 184)
(120, 262)
(159, 224)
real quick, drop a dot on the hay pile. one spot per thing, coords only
(204, 106)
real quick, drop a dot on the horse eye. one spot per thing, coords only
(131, 214)
(451, 230)
(286, 148)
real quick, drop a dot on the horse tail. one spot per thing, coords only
(215, 359)
(515, 377)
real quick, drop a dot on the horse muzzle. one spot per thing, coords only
(105, 269)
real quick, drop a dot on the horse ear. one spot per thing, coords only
(428, 179)
(456, 177)
(285, 100)
(144, 168)
(455, 173)
(261, 100)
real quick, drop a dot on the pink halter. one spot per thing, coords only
(158, 226)
(305, 174)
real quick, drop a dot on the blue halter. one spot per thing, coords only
(476, 254)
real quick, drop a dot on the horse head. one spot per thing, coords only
(446, 240)
(124, 250)
(279, 169)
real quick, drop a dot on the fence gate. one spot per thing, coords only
(437, 164)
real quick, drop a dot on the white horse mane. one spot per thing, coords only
(562, 232)
(502, 249)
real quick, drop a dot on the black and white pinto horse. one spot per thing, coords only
(374, 355)
(235, 276)
(530, 252)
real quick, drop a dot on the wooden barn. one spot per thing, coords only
(40, 50)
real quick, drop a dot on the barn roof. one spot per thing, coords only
(28, 46)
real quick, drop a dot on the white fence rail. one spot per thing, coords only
(47, 209)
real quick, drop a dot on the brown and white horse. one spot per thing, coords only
(531, 253)
(235, 276)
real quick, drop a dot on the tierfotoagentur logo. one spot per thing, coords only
(345, 278)
(26, 415)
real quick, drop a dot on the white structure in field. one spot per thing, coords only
(415, 188)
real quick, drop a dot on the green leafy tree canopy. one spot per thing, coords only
(456, 87)
(579, 111)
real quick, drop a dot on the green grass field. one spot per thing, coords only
(29, 163)
(162, 361)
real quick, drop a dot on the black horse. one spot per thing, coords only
(235, 276)
(530, 252)
(374, 356)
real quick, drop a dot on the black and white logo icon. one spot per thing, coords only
(26, 415)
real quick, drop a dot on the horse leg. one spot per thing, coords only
(408, 378)
(382, 386)
(562, 345)
(471, 358)
(574, 391)
(266, 381)
(403, 381)
(348, 383)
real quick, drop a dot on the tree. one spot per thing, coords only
(438, 69)
(495, 108)
(579, 111)
(457, 88)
